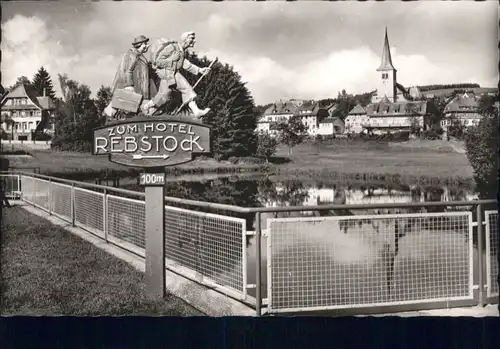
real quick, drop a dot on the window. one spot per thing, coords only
(385, 76)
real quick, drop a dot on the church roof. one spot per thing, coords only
(386, 63)
(396, 109)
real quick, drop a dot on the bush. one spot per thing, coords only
(266, 146)
(482, 144)
(430, 135)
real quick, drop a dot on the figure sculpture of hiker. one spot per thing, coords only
(134, 88)
(133, 74)
(168, 57)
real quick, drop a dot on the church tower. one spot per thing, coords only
(387, 78)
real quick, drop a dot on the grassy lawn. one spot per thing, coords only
(46, 270)
(416, 158)
(419, 161)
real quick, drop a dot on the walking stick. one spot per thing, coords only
(196, 84)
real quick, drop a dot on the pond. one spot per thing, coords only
(343, 254)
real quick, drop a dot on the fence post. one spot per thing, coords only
(33, 193)
(19, 187)
(73, 204)
(479, 218)
(105, 215)
(50, 196)
(258, 262)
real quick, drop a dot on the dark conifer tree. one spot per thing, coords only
(232, 113)
(42, 81)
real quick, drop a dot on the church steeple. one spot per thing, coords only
(386, 63)
(387, 83)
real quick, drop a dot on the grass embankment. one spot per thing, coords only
(411, 161)
(46, 270)
(378, 161)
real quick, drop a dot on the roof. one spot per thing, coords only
(358, 109)
(397, 109)
(282, 108)
(386, 63)
(334, 120)
(385, 100)
(462, 102)
(401, 88)
(46, 103)
(23, 91)
(295, 107)
(414, 92)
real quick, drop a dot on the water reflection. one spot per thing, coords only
(392, 237)
(275, 192)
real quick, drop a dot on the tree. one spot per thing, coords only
(43, 83)
(76, 116)
(482, 146)
(266, 146)
(456, 129)
(435, 110)
(20, 80)
(232, 115)
(103, 98)
(291, 133)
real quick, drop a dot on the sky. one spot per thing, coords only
(302, 49)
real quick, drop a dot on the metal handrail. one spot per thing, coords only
(240, 209)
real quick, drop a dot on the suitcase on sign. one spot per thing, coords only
(129, 101)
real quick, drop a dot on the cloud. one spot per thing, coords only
(28, 44)
(301, 49)
(353, 70)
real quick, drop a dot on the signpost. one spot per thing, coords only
(153, 144)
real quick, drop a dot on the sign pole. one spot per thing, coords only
(154, 181)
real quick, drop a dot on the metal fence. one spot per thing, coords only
(326, 263)
(492, 237)
(207, 248)
(297, 264)
(12, 186)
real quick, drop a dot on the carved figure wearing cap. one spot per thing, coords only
(168, 57)
(133, 73)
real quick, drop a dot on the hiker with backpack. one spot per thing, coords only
(168, 57)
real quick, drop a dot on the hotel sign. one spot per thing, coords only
(152, 142)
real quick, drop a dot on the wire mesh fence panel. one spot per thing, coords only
(27, 188)
(361, 261)
(89, 206)
(11, 185)
(42, 195)
(60, 200)
(211, 247)
(126, 224)
(492, 233)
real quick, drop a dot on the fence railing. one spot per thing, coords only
(297, 264)
(207, 248)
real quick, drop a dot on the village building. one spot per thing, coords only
(355, 120)
(463, 108)
(317, 119)
(22, 110)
